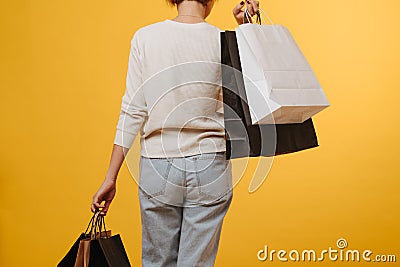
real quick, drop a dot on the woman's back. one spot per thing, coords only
(174, 91)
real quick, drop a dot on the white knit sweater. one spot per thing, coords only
(173, 94)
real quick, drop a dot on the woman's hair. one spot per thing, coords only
(173, 3)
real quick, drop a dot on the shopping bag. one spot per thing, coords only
(83, 256)
(280, 85)
(108, 251)
(242, 138)
(96, 247)
(70, 258)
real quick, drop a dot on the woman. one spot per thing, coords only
(185, 186)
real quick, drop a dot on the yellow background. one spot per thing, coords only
(63, 67)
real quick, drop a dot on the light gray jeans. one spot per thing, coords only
(183, 202)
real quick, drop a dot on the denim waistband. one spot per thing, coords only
(208, 155)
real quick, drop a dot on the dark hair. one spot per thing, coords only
(173, 3)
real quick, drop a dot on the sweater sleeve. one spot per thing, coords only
(133, 107)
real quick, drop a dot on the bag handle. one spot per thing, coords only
(102, 224)
(93, 230)
(258, 19)
(91, 223)
(99, 224)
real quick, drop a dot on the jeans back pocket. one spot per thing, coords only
(214, 175)
(153, 175)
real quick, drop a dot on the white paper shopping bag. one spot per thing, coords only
(280, 84)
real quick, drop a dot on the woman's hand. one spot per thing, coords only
(106, 192)
(238, 13)
(108, 188)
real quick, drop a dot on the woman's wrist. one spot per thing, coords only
(111, 178)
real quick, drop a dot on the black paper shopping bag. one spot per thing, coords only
(242, 138)
(108, 251)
